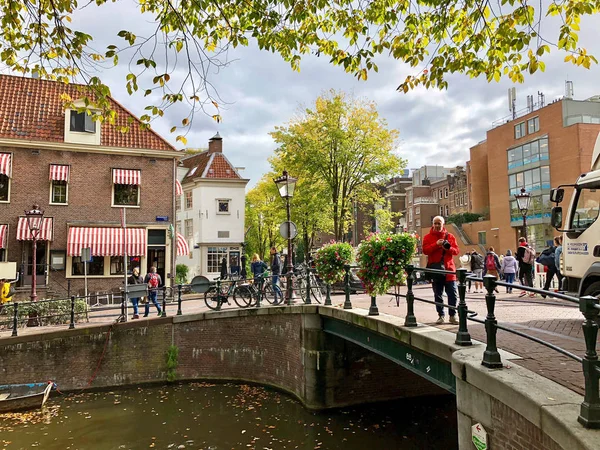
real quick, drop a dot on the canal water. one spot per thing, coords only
(226, 417)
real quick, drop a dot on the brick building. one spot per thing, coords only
(82, 174)
(543, 147)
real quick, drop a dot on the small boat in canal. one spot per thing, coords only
(20, 397)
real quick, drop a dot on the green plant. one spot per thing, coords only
(331, 259)
(467, 217)
(382, 259)
(54, 312)
(172, 363)
(181, 273)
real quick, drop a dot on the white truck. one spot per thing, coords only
(580, 260)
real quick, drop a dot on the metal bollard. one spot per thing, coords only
(328, 294)
(218, 295)
(123, 317)
(164, 302)
(410, 320)
(72, 324)
(261, 284)
(373, 310)
(462, 336)
(491, 357)
(179, 313)
(308, 300)
(589, 415)
(15, 318)
(347, 303)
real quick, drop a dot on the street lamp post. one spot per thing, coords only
(523, 200)
(34, 222)
(286, 186)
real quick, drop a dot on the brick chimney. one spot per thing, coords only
(215, 144)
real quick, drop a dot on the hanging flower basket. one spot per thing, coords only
(382, 259)
(331, 259)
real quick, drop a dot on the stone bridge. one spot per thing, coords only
(326, 357)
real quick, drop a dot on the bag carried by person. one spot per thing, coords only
(529, 255)
(436, 277)
(11, 291)
(490, 262)
(546, 258)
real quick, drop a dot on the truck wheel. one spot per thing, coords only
(593, 289)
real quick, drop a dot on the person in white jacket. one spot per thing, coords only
(510, 267)
(465, 263)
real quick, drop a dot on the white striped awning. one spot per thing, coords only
(5, 166)
(106, 241)
(183, 249)
(45, 230)
(127, 176)
(3, 235)
(178, 188)
(59, 172)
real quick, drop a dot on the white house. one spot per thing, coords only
(210, 211)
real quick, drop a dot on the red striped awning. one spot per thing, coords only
(59, 172)
(106, 241)
(45, 233)
(127, 176)
(3, 234)
(5, 159)
(183, 249)
(178, 188)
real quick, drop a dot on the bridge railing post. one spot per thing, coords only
(164, 302)
(589, 415)
(410, 320)
(179, 312)
(261, 284)
(15, 318)
(308, 300)
(462, 336)
(72, 324)
(347, 302)
(373, 310)
(328, 294)
(491, 357)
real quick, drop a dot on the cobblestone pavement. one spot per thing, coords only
(554, 321)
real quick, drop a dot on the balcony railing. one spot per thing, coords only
(428, 200)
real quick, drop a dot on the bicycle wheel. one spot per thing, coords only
(212, 299)
(242, 296)
(316, 292)
(269, 295)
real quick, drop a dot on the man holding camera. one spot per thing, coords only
(440, 247)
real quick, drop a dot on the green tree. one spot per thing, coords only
(474, 37)
(342, 145)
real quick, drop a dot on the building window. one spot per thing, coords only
(95, 267)
(520, 130)
(533, 125)
(4, 188)
(531, 180)
(417, 210)
(445, 192)
(441, 194)
(409, 195)
(418, 223)
(531, 152)
(410, 215)
(126, 195)
(188, 200)
(441, 210)
(435, 195)
(482, 238)
(189, 228)
(214, 258)
(222, 206)
(446, 210)
(539, 208)
(116, 264)
(58, 192)
(82, 122)
(178, 203)
(179, 227)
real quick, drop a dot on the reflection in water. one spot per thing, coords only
(207, 416)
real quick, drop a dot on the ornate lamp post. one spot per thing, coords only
(286, 186)
(34, 217)
(523, 200)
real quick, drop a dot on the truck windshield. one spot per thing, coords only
(586, 209)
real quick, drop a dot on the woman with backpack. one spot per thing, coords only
(492, 264)
(153, 280)
(510, 268)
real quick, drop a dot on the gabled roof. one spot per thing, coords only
(210, 165)
(31, 109)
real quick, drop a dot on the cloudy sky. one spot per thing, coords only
(262, 91)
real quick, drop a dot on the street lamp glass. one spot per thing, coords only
(286, 185)
(523, 200)
(34, 218)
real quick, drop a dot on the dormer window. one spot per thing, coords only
(82, 122)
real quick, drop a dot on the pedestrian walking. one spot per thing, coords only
(257, 267)
(558, 242)
(548, 259)
(477, 268)
(440, 247)
(153, 281)
(526, 258)
(465, 263)
(492, 264)
(275, 273)
(135, 278)
(510, 268)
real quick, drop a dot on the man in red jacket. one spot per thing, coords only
(437, 243)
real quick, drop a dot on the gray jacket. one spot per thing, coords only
(510, 265)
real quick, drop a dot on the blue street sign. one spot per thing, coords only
(162, 218)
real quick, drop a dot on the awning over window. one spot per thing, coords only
(59, 172)
(3, 235)
(178, 188)
(44, 233)
(5, 160)
(127, 176)
(106, 241)
(183, 249)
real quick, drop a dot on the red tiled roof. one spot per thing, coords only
(32, 109)
(218, 166)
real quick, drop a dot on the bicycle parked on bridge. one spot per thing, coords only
(220, 293)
